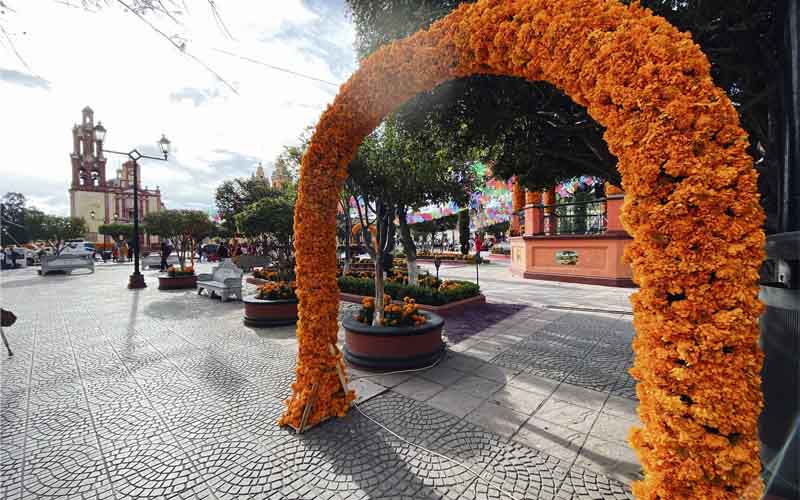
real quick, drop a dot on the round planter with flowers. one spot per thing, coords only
(408, 338)
(274, 304)
(178, 279)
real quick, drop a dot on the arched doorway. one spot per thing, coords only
(691, 206)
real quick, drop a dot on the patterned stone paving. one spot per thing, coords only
(148, 394)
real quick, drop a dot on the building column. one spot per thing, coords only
(517, 204)
(533, 213)
(614, 200)
(550, 222)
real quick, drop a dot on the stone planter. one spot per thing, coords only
(391, 347)
(177, 282)
(259, 312)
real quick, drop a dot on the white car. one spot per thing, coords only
(78, 247)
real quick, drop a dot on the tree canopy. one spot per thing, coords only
(117, 231)
(55, 230)
(13, 219)
(269, 223)
(396, 170)
(235, 195)
(180, 227)
(535, 132)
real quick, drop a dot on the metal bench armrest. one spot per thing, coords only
(205, 277)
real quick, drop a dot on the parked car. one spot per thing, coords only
(78, 247)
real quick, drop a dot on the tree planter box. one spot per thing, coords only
(444, 310)
(177, 282)
(393, 347)
(259, 312)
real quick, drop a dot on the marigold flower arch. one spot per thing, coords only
(691, 206)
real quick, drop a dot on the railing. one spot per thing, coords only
(583, 217)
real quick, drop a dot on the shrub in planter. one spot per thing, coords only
(277, 290)
(448, 257)
(407, 314)
(265, 274)
(444, 293)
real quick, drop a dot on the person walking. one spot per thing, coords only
(199, 253)
(12, 254)
(165, 251)
(478, 244)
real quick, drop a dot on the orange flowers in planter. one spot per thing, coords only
(691, 206)
(277, 290)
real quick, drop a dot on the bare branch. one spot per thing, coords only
(14, 48)
(218, 18)
(181, 47)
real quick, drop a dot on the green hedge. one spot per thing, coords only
(428, 296)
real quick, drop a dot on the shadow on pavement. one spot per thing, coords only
(474, 320)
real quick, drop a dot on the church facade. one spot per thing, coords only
(97, 199)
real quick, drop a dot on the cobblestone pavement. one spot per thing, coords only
(163, 394)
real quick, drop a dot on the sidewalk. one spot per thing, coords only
(115, 393)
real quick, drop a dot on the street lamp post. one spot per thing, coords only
(136, 279)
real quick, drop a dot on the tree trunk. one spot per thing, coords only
(377, 318)
(410, 249)
(463, 230)
(348, 224)
(180, 248)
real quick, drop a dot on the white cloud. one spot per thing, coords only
(140, 86)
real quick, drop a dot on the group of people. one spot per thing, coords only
(9, 257)
(225, 250)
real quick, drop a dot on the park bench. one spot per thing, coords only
(66, 263)
(225, 280)
(154, 260)
(247, 262)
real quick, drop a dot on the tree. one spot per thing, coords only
(117, 231)
(54, 230)
(395, 171)
(235, 195)
(529, 129)
(12, 219)
(463, 231)
(423, 230)
(498, 229)
(270, 223)
(539, 135)
(180, 228)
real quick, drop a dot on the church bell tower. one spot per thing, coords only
(88, 162)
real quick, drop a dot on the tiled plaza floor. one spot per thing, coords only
(164, 394)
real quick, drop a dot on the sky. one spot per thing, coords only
(66, 57)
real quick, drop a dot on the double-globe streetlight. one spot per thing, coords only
(136, 279)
